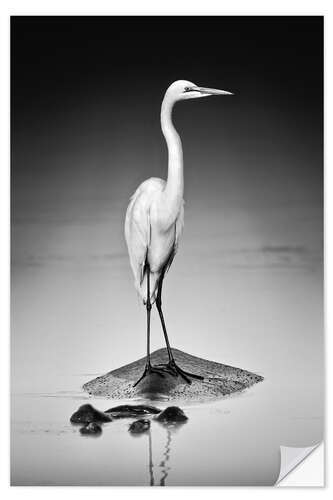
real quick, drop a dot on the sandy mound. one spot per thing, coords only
(219, 380)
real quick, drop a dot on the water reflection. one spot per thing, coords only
(151, 465)
(274, 413)
(164, 463)
(164, 467)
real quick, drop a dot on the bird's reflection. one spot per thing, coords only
(166, 454)
(151, 465)
(164, 466)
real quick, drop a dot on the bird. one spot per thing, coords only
(154, 222)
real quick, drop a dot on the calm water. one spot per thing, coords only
(232, 441)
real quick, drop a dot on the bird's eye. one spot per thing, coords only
(187, 89)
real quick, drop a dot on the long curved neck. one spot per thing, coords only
(174, 188)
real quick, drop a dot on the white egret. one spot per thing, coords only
(155, 219)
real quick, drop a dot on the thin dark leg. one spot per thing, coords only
(148, 367)
(171, 366)
(148, 307)
(160, 312)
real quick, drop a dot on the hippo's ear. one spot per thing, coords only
(139, 426)
(87, 414)
(171, 415)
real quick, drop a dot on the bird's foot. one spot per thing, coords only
(175, 370)
(150, 369)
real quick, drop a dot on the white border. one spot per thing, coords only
(171, 7)
(139, 7)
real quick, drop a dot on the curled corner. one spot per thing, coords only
(291, 457)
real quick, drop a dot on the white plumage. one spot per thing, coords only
(148, 237)
(155, 219)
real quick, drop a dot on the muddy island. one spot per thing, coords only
(219, 380)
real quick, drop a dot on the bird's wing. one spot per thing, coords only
(179, 225)
(137, 226)
(137, 234)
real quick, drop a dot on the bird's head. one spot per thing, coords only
(183, 89)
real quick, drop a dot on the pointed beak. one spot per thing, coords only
(208, 91)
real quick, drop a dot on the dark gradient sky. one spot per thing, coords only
(86, 95)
